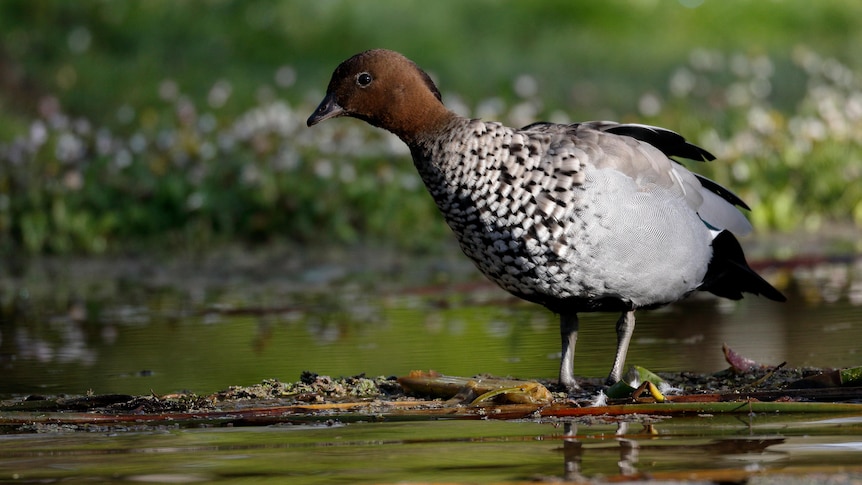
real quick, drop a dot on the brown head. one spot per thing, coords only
(387, 90)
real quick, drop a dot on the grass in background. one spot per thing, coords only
(181, 124)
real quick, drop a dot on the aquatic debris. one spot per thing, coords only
(851, 376)
(264, 414)
(273, 402)
(637, 379)
(313, 388)
(739, 363)
(474, 390)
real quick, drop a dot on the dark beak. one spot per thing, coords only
(328, 108)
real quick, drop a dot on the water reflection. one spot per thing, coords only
(656, 440)
(711, 449)
(203, 325)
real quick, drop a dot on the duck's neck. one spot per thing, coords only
(423, 123)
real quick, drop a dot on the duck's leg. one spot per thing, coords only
(625, 328)
(569, 335)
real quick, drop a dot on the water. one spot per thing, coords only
(201, 325)
(706, 448)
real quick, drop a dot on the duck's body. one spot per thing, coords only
(584, 217)
(547, 214)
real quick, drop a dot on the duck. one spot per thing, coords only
(596, 216)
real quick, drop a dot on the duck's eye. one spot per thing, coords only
(363, 79)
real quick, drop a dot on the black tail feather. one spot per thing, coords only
(729, 275)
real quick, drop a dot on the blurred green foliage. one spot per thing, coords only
(181, 124)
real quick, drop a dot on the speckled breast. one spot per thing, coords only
(513, 215)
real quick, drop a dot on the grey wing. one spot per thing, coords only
(632, 204)
(643, 152)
